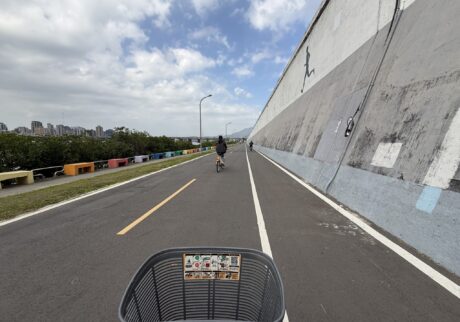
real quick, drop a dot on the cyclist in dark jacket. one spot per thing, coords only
(221, 148)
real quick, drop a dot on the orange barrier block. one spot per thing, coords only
(74, 169)
(115, 163)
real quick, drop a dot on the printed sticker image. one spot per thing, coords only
(214, 263)
(188, 263)
(211, 266)
(200, 275)
(234, 261)
(228, 276)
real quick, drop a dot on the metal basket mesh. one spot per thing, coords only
(158, 291)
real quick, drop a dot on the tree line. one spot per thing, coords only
(30, 152)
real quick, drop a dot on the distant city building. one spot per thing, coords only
(99, 131)
(3, 127)
(108, 133)
(22, 130)
(39, 131)
(68, 130)
(90, 133)
(50, 129)
(60, 130)
(78, 130)
(34, 125)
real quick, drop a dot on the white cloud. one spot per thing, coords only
(157, 65)
(281, 60)
(243, 71)
(221, 59)
(259, 56)
(237, 12)
(88, 62)
(279, 15)
(242, 92)
(202, 7)
(233, 62)
(210, 34)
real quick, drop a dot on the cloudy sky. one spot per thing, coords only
(145, 64)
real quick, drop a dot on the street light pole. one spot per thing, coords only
(226, 136)
(200, 114)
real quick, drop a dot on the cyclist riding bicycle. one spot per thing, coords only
(221, 148)
(250, 145)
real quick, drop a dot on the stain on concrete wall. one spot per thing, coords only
(386, 154)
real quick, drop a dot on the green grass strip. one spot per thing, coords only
(15, 205)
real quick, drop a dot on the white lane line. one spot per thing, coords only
(442, 280)
(260, 218)
(260, 221)
(60, 204)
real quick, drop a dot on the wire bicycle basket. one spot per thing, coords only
(207, 284)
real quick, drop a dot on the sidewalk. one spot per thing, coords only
(48, 182)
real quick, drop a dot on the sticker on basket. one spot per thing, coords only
(212, 266)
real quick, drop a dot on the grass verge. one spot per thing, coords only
(12, 206)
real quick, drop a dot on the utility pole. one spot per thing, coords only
(226, 124)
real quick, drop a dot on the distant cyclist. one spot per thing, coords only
(221, 148)
(250, 145)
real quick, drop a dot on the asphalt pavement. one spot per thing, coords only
(69, 264)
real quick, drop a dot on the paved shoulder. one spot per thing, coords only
(334, 271)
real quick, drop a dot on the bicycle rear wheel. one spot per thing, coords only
(218, 166)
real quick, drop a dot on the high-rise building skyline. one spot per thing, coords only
(38, 129)
(35, 124)
(78, 130)
(22, 130)
(60, 130)
(91, 133)
(50, 129)
(99, 131)
(108, 133)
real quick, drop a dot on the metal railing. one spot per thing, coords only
(101, 164)
(40, 173)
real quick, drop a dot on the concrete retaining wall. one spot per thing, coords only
(397, 74)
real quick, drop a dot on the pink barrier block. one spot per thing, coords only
(115, 163)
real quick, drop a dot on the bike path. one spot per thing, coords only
(68, 264)
(334, 271)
